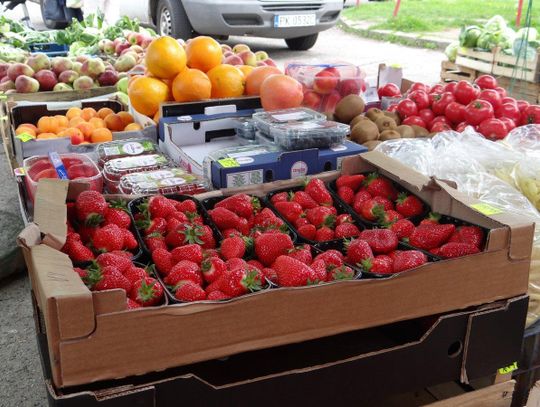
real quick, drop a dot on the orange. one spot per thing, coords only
(73, 112)
(86, 129)
(132, 79)
(88, 113)
(246, 69)
(146, 94)
(97, 123)
(101, 136)
(132, 127)
(126, 118)
(62, 120)
(165, 57)
(75, 121)
(104, 112)
(43, 136)
(281, 92)
(257, 77)
(23, 128)
(47, 124)
(203, 53)
(190, 85)
(227, 81)
(114, 122)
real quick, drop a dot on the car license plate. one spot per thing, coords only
(296, 20)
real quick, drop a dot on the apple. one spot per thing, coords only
(60, 86)
(6, 85)
(83, 82)
(38, 62)
(330, 101)
(146, 42)
(248, 58)
(109, 47)
(47, 79)
(26, 84)
(261, 55)
(93, 67)
(121, 46)
(125, 63)
(225, 48)
(61, 64)
(108, 78)
(270, 62)
(3, 69)
(238, 48)
(122, 85)
(350, 87)
(234, 60)
(312, 100)
(325, 81)
(132, 38)
(18, 69)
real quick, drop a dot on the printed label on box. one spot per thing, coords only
(299, 169)
(239, 179)
(287, 117)
(486, 209)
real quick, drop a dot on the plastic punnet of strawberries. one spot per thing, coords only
(312, 212)
(96, 226)
(117, 270)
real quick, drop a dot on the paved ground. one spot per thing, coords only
(20, 371)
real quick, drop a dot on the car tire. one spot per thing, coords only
(172, 20)
(302, 43)
(52, 24)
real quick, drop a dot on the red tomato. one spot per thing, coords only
(509, 110)
(407, 108)
(426, 115)
(450, 87)
(465, 93)
(522, 105)
(531, 115)
(438, 88)
(388, 90)
(439, 127)
(493, 129)
(414, 120)
(461, 126)
(501, 91)
(508, 99)
(419, 86)
(486, 82)
(455, 112)
(440, 102)
(477, 111)
(509, 123)
(420, 98)
(492, 96)
(441, 119)
(392, 108)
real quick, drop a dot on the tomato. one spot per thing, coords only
(392, 108)
(508, 110)
(508, 99)
(426, 115)
(420, 98)
(440, 102)
(522, 105)
(461, 126)
(389, 90)
(439, 127)
(419, 86)
(493, 129)
(455, 112)
(414, 120)
(465, 93)
(407, 108)
(509, 123)
(531, 115)
(501, 91)
(438, 88)
(486, 82)
(477, 111)
(441, 119)
(492, 96)
(450, 87)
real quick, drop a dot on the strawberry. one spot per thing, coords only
(433, 218)
(371, 210)
(184, 234)
(430, 236)
(134, 274)
(308, 232)
(218, 296)
(236, 263)
(188, 291)
(293, 273)
(234, 247)
(388, 217)
(301, 253)
(436, 251)
(179, 216)
(346, 230)
(256, 263)
(298, 223)
(191, 252)
(324, 234)
(270, 274)
(408, 259)
(185, 206)
(350, 181)
(159, 206)
(361, 196)
(241, 281)
(132, 304)
(90, 207)
(155, 241)
(184, 270)
(209, 253)
(340, 273)
(331, 258)
(321, 216)
(357, 250)
(130, 243)
(108, 238)
(162, 258)
(110, 278)
(173, 224)
(147, 292)
(289, 210)
(121, 263)
(77, 251)
(123, 253)
(303, 199)
(403, 228)
(279, 197)
(381, 264)
(409, 205)
(319, 267)
(224, 218)
(207, 237)
(213, 286)
(344, 218)
(241, 204)
(71, 212)
(346, 194)
(83, 274)
(455, 249)
(212, 269)
(156, 225)
(317, 190)
(264, 217)
(231, 233)
(380, 240)
(376, 185)
(116, 213)
(194, 218)
(269, 246)
(468, 234)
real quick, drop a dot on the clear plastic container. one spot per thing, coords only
(166, 181)
(124, 148)
(304, 135)
(79, 168)
(266, 120)
(114, 170)
(245, 128)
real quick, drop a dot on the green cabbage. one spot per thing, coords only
(495, 24)
(487, 41)
(528, 33)
(451, 51)
(468, 36)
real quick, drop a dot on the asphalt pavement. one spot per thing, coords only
(21, 380)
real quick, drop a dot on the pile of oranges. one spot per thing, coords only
(83, 126)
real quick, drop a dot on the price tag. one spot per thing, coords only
(486, 209)
(228, 163)
(24, 137)
(508, 369)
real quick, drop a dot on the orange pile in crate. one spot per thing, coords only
(83, 126)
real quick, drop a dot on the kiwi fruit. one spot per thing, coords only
(349, 107)
(406, 131)
(394, 116)
(420, 131)
(389, 135)
(371, 144)
(364, 131)
(357, 119)
(385, 123)
(374, 113)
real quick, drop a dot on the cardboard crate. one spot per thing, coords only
(90, 335)
(481, 61)
(451, 71)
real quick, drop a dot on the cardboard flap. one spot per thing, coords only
(50, 214)
(29, 237)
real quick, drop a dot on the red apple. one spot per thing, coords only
(312, 100)
(77, 138)
(330, 101)
(351, 87)
(326, 81)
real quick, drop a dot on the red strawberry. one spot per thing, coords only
(371, 210)
(344, 218)
(430, 236)
(454, 249)
(185, 206)
(298, 223)
(192, 252)
(155, 241)
(340, 273)
(324, 234)
(408, 259)
(289, 210)
(241, 204)
(379, 186)
(293, 273)
(468, 234)
(132, 304)
(346, 230)
(212, 269)
(403, 228)
(77, 251)
(331, 258)
(224, 218)
(184, 270)
(218, 296)
(269, 246)
(207, 237)
(436, 251)
(301, 253)
(264, 217)
(179, 216)
(231, 232)
(358, 250)
(389, 217)
(381, 264)
(134, 274)
(303, 199)
(108, 238)
(380, 240)
(188, 291)
(121, 263)
(243, 226)
(83, 274)
(90, 207)
(162, 258)
(317, 190)
(319, 267)
(270, 274)
(194, 217)
(159, 206)
(130, 243)
(361, 196)
(234, 247)
(147, 292)
(433, 218)
(241, 281)
(386, 203)
(156, 225)
(71, 212)
(235, 263)
(209, 253)
(308, 231)
(123, 253)
(346, 194)
(409, 205)
(279, 197)
(351, 181)
(111, 278)
(117, 215)
(321, 216)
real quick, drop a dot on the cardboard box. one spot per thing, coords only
(92, 338)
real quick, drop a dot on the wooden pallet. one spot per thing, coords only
(521, 89)
(451, 71)
(509, 66)
(480, 61)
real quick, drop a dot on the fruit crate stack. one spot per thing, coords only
(451, 71)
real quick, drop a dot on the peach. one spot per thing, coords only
(114, 122)
(101, 136)
(62, 120)
(126, 118)
(281, 92)
(133, 127)
(88, 113)
(104, 112)
(97, 123)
